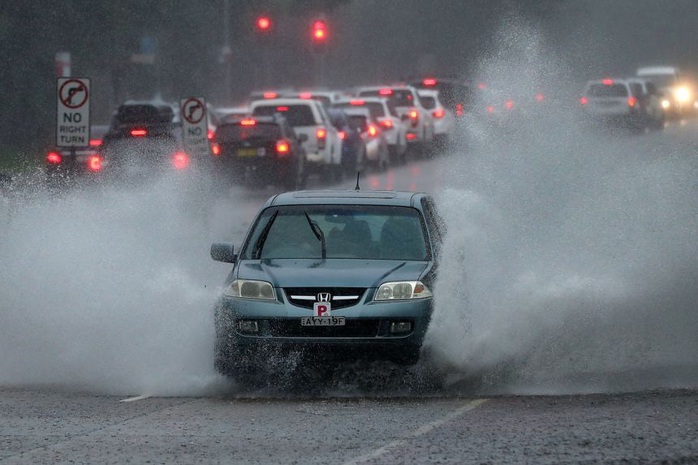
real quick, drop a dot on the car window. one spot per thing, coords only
(604, 90)
(427, 102)
(358, 122)
(296, 115)
(233, 132)
(376, 109)
(143, 114)
(366, 232)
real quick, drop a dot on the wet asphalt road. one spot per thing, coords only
(42, 427)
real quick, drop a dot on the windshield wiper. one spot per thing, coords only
(257, 250)
(318, 233)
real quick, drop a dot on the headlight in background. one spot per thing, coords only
(402, 290)
(683, 94)
(250, 289)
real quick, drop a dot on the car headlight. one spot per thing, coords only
(682, 94)
(402, 290)
(250, 289)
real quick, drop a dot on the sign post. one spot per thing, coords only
(195, 126)
(73, 112)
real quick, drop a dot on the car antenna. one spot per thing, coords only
(358, 174)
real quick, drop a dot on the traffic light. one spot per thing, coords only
(263, 24)
(320, 35)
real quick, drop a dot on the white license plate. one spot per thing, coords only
(323, 321)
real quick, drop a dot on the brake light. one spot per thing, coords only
(281, 108)
(269, 95)
(411, 136)
(607, 82)
(482, 86)
(342, 135)
(414, 114)
(94, 163)
(509, 104)
(95, 142)
(386, 123)
(632, 101)
(139, 132)
(429, 82)
(490, 109)
(180, 160)
(305, 95)
(248, 122)
(372, 130)
(357, 103)
(583, 100)
(54, 158)
(215, 149)
(321, 135)
(438, 114)
(282, 147)
(385, 92)
(459, 109)
(210, 134)
(540, 97)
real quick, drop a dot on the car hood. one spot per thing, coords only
(331, 273)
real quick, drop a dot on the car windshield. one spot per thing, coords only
(363, 232)
(427, 102)
(399, 97)
(235, 132)
(358, 122)
(375, 108)
(297, 115)
(604, 90)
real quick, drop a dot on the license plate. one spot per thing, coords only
(247, 152)
(323, 321)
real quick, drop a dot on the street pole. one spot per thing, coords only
(228, 61)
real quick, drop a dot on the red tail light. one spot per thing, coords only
(95, 142)
(139, 132)
(438, 114)
(357, 103)
(386, 123)
(372, 130)
(632, 101)
(248, 122)
(411, 136)
(283, 108)
(414, 117)
(215, 149)
(490, 109)
(283, 147)
(210, 134)
(321, 135)
(54, 158)
(607, 82)
(583, 100)
(269, 95)
(94, 163)
(305, 95)
(385, 92)
(429, 82)
(509, 104)
(342, 135)
(540, 97)
(459, 109)
(180, 160)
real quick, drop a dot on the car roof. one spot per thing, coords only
(347, 197)
(653, 70)
(284, 101)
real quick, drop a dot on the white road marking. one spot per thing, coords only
(472, 405)
(134, 399)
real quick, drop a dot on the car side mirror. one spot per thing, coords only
(223, 252)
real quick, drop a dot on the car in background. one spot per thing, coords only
(227, 114)
(418, 120)
(616, 103)
(337, 275)
(679, 97)
(650, 98)
(256, 151)
(385, 114)
(323, 147)
(64, 166)
(353, 145)
(326, 97)
(144, 142)
(444, 119)
(375, 153)
(455, 94)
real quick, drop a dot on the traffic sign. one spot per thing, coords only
(73, 112)
(195, 126)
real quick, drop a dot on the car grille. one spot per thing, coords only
(342, 297)
(353, 328)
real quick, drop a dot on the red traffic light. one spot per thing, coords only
(263, 24)
(320, 34)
